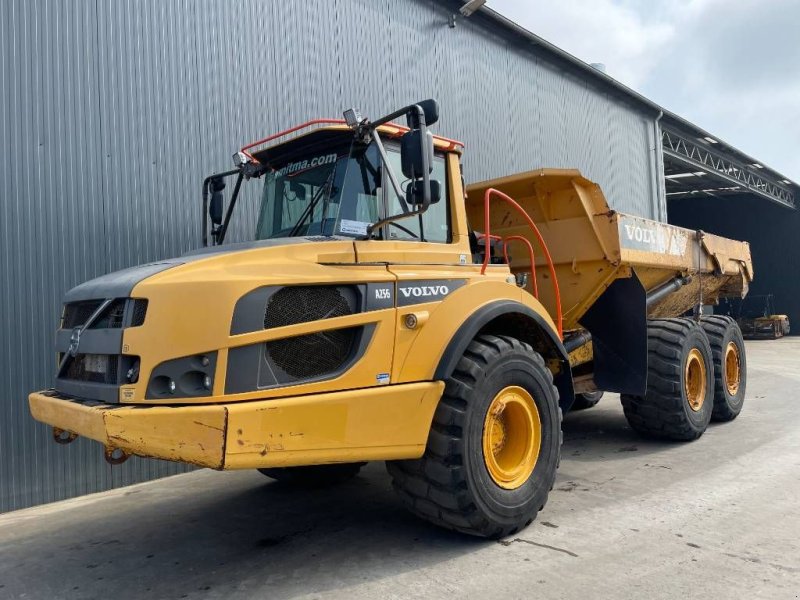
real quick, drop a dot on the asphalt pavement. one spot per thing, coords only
(628, 518)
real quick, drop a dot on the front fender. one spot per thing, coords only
(432, 351)
(481, 320)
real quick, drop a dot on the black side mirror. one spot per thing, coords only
(412, 153)
(415, 192)
(215, 208)
(431, 110)
(416, 153)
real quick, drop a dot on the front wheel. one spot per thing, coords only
(494, 444)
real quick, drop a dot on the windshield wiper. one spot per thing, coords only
(310, 208)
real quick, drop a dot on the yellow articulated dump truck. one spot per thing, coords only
(384, 312)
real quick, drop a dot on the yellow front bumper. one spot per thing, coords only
(382, 423)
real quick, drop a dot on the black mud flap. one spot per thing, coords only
(618, 324)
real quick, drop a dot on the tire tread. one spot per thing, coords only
(434, 487)
(660, 412)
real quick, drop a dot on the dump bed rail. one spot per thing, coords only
(593, 246)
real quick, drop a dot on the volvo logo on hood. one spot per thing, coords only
(425, 291)
(417, 292)
(75, 341)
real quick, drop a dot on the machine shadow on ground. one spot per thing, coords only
(212, 535)
(602, 433)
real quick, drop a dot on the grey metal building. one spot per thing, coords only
(111, 114)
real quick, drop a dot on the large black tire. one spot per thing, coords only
(451, 485)
(586, 400)
(730, 380)
(665, 411)
(314, 476)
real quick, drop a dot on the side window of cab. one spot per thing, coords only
(435, 225)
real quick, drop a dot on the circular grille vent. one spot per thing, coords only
(314, 354)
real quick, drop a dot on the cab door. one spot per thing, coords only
(428, 255)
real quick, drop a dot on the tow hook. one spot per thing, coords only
(62, 436)
(115, 456)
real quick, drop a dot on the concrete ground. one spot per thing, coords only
(628, 518)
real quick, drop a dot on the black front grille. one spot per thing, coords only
(139, 312)
(93, 368)
(77, 313)
(112, 317)
(314, 354)
(304, 303)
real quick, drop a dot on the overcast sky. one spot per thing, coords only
(730, 66)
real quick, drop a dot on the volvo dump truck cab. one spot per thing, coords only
(380, 314)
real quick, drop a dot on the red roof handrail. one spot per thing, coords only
(486, 202)
(244, 149)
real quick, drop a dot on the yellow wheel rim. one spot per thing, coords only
(512, 437)
(695, 379)
(733, 368)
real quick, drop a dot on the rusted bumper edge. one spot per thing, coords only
(192, 434)
(382, 423)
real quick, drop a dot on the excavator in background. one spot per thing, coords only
(761, 323)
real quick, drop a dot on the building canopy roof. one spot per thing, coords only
(695, 161)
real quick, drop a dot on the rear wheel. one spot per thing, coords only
(586, 400)
(730, 366)
(314, 475)
(680, 382)
(494, 443)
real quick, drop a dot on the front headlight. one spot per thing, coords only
(184, 377)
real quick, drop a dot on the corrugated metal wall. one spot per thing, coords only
(111, 113)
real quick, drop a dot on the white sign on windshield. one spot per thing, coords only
(353, 227)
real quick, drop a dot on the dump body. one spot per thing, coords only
(592, 246)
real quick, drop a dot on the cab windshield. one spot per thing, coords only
(342, 191)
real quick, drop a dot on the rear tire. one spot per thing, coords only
(680, 383)
(455, 484)
(314, 476)
(586, 400)
(730, 366)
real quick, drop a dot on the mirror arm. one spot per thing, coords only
(389, 171)
(231, 205)
(398, 113)
(388, 118)
(206, 183)
(392, 219)
(419, 117)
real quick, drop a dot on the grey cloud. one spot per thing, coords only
(732, 68)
